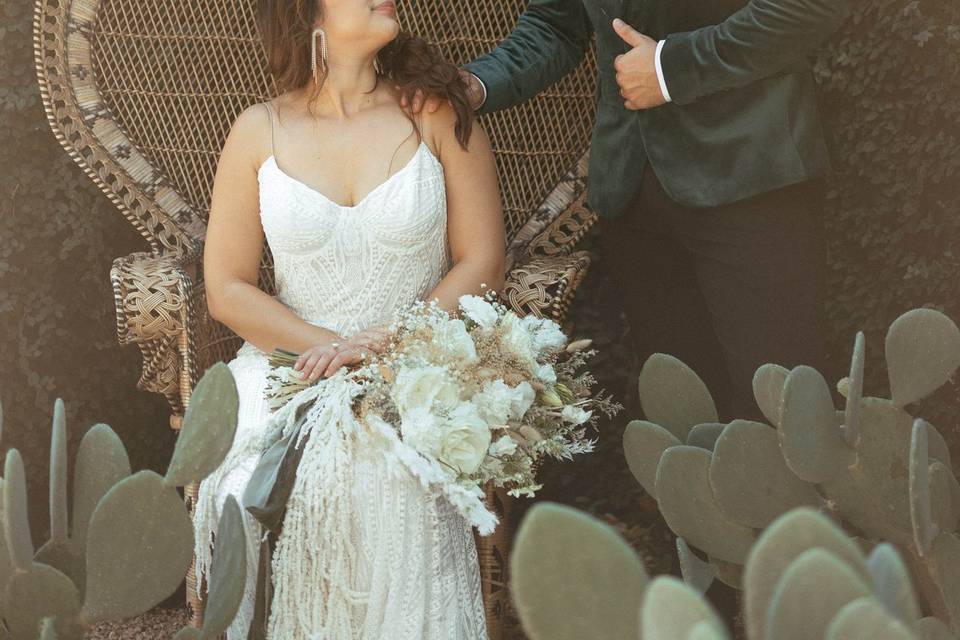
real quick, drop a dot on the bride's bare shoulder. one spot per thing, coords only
(440, 128)
(252, 128)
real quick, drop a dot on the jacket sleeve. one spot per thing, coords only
(548, 42)
(758, 41)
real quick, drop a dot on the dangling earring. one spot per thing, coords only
(318, 33)
(376, 66)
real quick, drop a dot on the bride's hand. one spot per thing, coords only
(376, 339)
(315, 360)
(359, 347)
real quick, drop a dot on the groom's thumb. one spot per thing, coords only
(629, 35)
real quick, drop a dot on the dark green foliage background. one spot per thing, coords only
(891, 84)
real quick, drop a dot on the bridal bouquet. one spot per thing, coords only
(480, 398)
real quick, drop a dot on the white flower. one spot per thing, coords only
(497, 402)
(504, 446)
(422, 387)
(466, 440)
(517, 340)
(546, 334)
(546, 374)
(479, 310)
(423, 431)
(521, 400)
(575, 415)
(452, 337)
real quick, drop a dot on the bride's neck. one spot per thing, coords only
(348, 86)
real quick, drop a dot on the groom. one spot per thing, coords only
(706, 168)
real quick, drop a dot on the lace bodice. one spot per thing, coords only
(347, 268)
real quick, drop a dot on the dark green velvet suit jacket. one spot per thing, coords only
(744, 117)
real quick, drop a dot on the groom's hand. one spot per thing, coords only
(637, 69)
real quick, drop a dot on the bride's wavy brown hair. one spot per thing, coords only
(410, 62)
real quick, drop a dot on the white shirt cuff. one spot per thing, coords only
(484, 87)
(663, 83)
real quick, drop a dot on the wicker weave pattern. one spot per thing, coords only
(141, 95)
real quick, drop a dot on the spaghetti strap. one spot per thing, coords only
(273, 149)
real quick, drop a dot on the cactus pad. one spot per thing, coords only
(891, 583)
(58, 475)
(780, 544)
(932, 629)
(811, 591)
(208, 427)
(706, 631)
(924, 529)
(673, 396)
(36, 593)
(101, 463)
(696, 573)
(744, 453)
(768, 383)
(923, 351)
(729, 573)
(139, 547)
(812, 443)
(16, 522)
(672, 609)
(943, 491)
(866, 619)
(851, 418)
(688, 505)
(873, 494)
(574, 577)
(228, 574)
(705, 435)
(643, 445)
(942, 562)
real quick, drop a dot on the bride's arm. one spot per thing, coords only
(235, 243)
(474, 216)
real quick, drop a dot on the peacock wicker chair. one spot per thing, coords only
(141, 96)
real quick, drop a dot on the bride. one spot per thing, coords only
(366, 209)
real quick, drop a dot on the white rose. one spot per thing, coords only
(466, 440)
(422, 387)
(575, 415)
(479, 310)
(452, 337)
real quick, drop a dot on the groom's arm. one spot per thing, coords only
(548, 42)
(756, 42)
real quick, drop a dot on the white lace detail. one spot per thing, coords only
(408, 569)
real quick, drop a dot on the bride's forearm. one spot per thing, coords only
(264, 321)
(467, 278)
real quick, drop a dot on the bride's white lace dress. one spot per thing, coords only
(407, 568)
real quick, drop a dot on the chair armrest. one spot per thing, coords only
(544, 285)
(157, 309)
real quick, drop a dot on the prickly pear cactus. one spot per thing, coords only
(130, 541)
(869, 465)
(805, 579)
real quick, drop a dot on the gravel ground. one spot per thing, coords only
(157, 624)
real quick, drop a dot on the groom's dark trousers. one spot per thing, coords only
(711, 204)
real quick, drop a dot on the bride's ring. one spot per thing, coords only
(335, 345)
